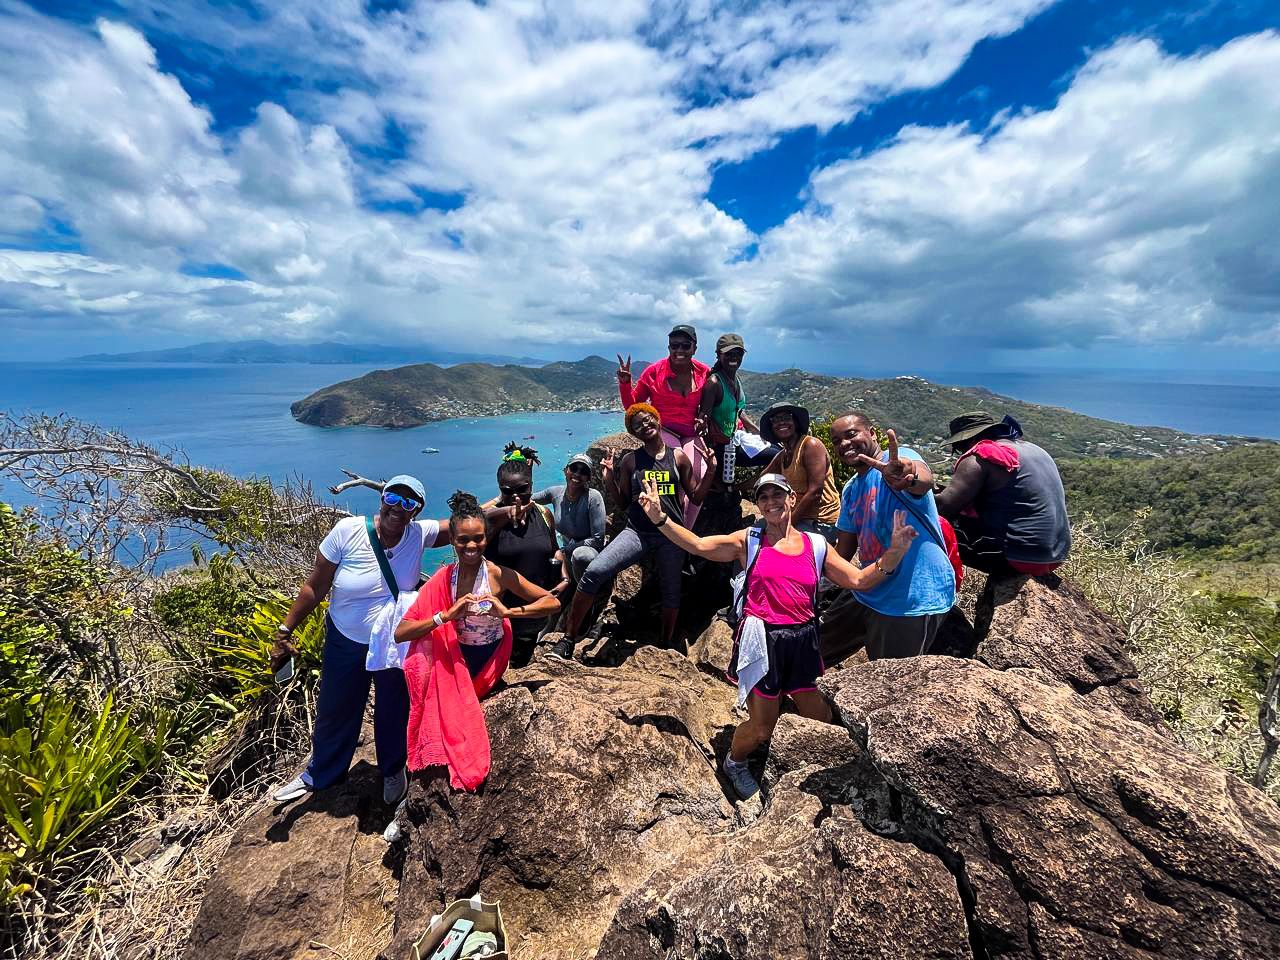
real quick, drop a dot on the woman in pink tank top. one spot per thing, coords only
(776, 650)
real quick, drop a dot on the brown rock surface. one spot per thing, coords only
(803, 882)
(1073, 830)
(710, 653)
(1045, 623)
(600, 776)
(304, 873)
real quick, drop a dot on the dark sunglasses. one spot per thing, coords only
(579, 469)
(407, 504)
(682, 346)
(516, 491)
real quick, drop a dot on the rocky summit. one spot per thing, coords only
(1020, 798)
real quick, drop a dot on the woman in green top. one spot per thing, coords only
(723, 407)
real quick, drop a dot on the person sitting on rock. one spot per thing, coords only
(804, 461)
(1005, 499)
(722, 410)
(523, 537)
(900, 617)
(349, 571)
(672, 473)
(674, 386)
(579, 514)
(776, 650)
(460, 634)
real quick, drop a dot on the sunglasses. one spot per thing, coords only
(680, 346)
(517, 491)
(407, 504)
(579, 469)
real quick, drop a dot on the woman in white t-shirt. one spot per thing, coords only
(347, 569)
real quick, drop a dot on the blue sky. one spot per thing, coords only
(894, 186)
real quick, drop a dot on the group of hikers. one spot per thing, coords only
(823, 571)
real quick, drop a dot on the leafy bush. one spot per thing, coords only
(1201, 659)
(64, 771)
(244, 652)
(201, 602)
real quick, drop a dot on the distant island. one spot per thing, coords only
(264, 351)
(412, 395)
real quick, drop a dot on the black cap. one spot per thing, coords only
(686, 330)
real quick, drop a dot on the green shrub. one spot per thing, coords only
(205, 600)
(243, 654)
(64, 772)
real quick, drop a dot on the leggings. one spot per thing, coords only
(697, 454)
(629, 547)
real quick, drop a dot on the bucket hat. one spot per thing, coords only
(969, 425)
(799, 414)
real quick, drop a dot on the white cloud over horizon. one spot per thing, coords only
(1136, 210)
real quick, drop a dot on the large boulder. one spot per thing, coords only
(1045, 623)
(1072, 829)
(806, 881)
(600, 776)
(308, 873)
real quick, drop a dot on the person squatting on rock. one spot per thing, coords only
(776, 649)
(674, 386)
(579, 513)
(522, 536)
(899, 617)
(1005, 499)
(460, 634)
(672, 474)
(349, 571)
(722, 410)
(804, 461)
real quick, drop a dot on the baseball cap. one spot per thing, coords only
(412, 483)
(730, 341)
(583, 459)
(686, 330)
(771, 480)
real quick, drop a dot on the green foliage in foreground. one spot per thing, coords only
(64, 770)
(243, 652)
(1223, 506)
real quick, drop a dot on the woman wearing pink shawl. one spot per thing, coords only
(673, 386)
(461, 644)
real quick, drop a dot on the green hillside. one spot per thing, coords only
(918, 410)
(1224, 507)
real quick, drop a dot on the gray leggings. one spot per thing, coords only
(630, 547)
(580, 556)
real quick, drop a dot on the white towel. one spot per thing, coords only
(384, 653)
(751, 443)
(753, 656)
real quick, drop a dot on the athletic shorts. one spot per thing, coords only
(795, 662)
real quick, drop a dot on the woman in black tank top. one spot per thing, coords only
(526, 544)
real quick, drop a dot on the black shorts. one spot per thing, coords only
(795, 660)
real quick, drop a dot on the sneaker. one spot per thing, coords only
(740, 778)
(394, 788)
(295, 788)
(562, 649)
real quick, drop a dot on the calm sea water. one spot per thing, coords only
(236, 418)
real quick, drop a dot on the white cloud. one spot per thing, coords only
(583, 140)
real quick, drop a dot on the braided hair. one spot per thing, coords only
(464, 506)
(517, 461)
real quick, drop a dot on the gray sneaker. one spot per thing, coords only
(740, 778)
(562, 649)
(394, 788)
(295, 788)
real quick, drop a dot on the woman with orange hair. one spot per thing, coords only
(669, 470)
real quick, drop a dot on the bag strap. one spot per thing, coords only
(818, 544)
(755, 534)
(383, 565)
(924, 521)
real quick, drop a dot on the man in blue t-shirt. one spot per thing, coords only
(900, 617)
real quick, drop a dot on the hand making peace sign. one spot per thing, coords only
(898, 473)
(649, 501)
(624, 369)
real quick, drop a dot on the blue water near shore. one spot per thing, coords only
(236, 417)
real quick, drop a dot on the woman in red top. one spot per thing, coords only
(674, 387)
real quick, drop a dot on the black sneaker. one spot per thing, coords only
(562, 649)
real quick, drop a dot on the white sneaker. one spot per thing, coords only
(740, 778)
(394, 788)
(295, 788)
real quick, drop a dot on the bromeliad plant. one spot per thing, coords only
(64, 771)
(245, 652)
